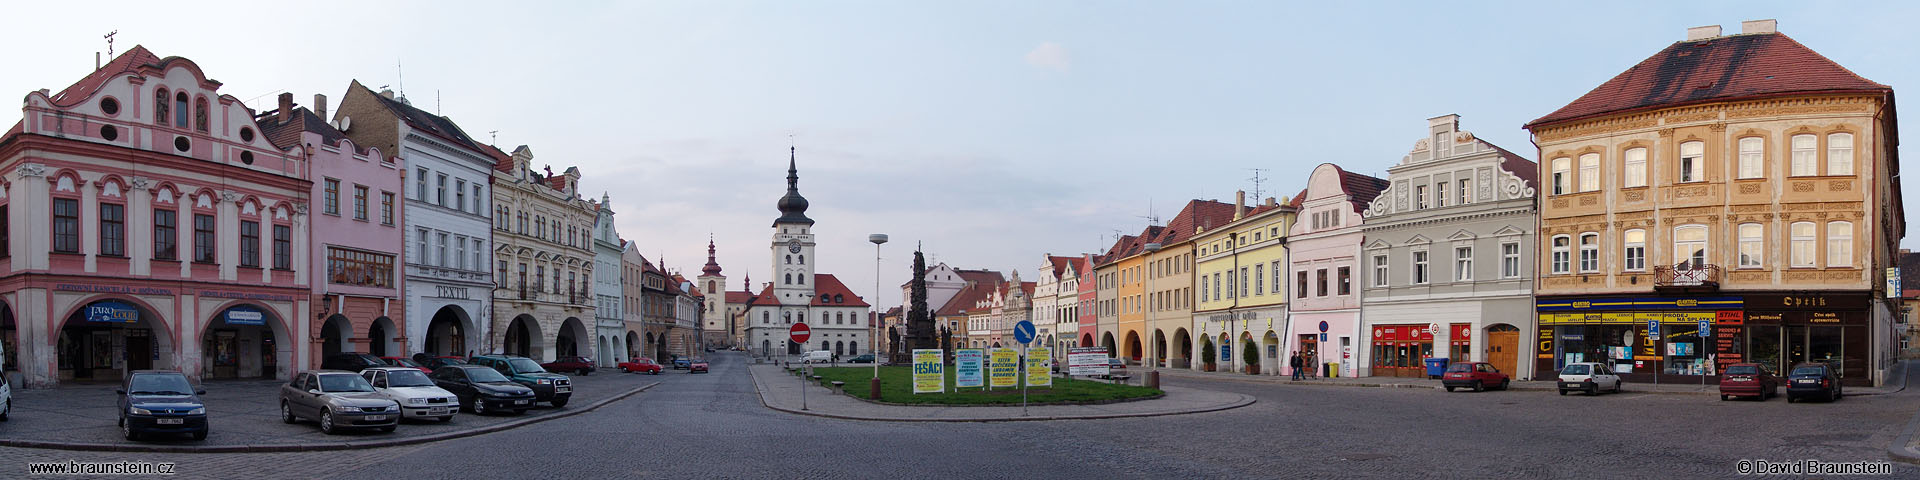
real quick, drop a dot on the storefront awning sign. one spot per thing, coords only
(112, 312)
(245, 315)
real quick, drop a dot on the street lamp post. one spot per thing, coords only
(874, 385)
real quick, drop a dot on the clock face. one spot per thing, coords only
(793, 246)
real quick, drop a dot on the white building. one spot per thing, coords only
(609, 320)
(797, 294)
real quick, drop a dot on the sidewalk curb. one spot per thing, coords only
(314, 447)
(1244, 401)
(1517, 388)
(1901, 450)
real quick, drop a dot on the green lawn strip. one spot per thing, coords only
(896, 386)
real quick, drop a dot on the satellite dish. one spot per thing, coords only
(345, 122)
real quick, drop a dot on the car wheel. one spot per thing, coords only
(389, 428)
(5, 410)
(1723, 398)
(559, 402)
(479, 407)
(200, 435)
(1449, 389)
(286, 413)
(1593, 389)
(1477, 386)
(445, 419)
(1563, 392)
(326, 422)
(1504, 383)
(1790, 398)
(126, 429)
(624, 370)
(656, 371)
(1616, 386)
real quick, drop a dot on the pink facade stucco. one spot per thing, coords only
(1324, 246)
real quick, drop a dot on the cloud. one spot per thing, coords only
(1049, 55)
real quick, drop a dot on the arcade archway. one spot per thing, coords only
(380, 339)
(572, 339)
(245, 341)
(104, 339)
(523, 338)
(334, 336)
(447, 332)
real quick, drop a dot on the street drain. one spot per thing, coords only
(1356, 457)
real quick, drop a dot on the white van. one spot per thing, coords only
(817, 356)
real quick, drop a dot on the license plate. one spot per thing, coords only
(563, 390)
(519, 402)
(375, 418)
(169, 421)
(437, 411)
(1806, 381)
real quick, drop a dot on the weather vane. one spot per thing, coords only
(109, 38)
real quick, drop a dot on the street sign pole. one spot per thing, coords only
(799, 333)
(1023, 332)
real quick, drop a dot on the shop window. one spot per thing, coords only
(1589, 172)
(1419, 267)
(1562, 254)
(1692, 165)
(1805, 156)
(1801, 244)
(1751, 245)
(1690, 244)
(1589, 252)
(1379, 270)
(1840, 154)
(1634, 168)
(1752, 158)
(1462, 264)
(1562, 169)
(1839, 244)
(1509, 260)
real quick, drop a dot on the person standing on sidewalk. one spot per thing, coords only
(1295, 363)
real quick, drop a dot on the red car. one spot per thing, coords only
(570, 363)
(642, 365)
(404, 362)
(1748, 380)
(1475, 375)
(699, 365)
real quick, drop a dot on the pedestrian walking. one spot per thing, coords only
(1296, 363)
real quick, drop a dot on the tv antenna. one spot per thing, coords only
(1153, 219)
(109, 37)
(494, 138)
(1257, 182)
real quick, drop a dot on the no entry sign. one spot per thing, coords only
(800, 332)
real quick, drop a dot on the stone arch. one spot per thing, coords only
(633, 339)
(1183, 341)
(1133, 345)
(523, 338)
(450, 332)
(1159, 352)
(1269, 354)
(78, 338)
(1106, 341)
(572, 339)
(385, 339)
(246, 340)
(336, 336)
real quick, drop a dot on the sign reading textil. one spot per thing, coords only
(1039, 373)
(928, 374)
(1087, 361)
(966, 367)
(110, 311)
(1005, 369)
(245, 315)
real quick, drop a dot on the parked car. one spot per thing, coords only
(699, 365)
(1809, 380)
(1475, 375)
(432, 363)
(570, 363)
(418, 397)
(642, 365)
(6, 398)
(681, 363)
(1588, 377)
(1748, 380)
(352, 362)
(864, 358)
(483, 390)
(404, 362)
(547, 387)
(338, 400)
(153, 401)
(817, 356)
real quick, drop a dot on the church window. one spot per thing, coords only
(180, 109)
(803, 280)
(789, 280)
(803, 259)
(789, 259)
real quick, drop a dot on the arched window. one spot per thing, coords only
(803, 279)
(200, 115)
(788, 280)
(1562, 254)
(1589, 252)
(839, 348)
(160, 106)
(1801, 244)
(1690, 244)
(788, 315)
(1752, 245)
(789, 259)
(1840, 154)
(839, 319)
(1635, 168)
(1633, 251)
(766, 318)
(853, 347)
(180, 109)
(803, 259)
(1839, 244)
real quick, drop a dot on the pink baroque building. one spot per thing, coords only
(149, 224)
(356, 234)
(1324, 293)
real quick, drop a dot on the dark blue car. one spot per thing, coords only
(153, 401)
(1809, 380)
(682, 363)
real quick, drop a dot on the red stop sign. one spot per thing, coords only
(800, 332)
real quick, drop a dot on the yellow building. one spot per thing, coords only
(1240, 293)
(1131, 318)
(1168, 287)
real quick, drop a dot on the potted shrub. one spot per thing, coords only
(1206, 355)
(1251, 355)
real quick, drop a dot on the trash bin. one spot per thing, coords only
(1436, 367)
(1331, 370)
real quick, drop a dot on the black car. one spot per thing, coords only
(352, 362)
(431, 362)
(867, 358)
(482, 389)
(153, 401)
(1809, 380)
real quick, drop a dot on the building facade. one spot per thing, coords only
(609, 318)
(798, 293)
(149, 225)
(717, 318)
(1447, 263)
(1168, 298)
(1688, 227)
(1240, 291)
(1324, 308)
(542, 232)
(633, 303)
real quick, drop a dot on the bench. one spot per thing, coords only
(1119, 379)
(837, 385)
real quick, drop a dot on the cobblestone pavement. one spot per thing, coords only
(712, 426)
(243, 413)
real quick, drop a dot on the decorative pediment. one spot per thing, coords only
(1419, 240)
(203, 200)
(1508, 231)
(1513, 186)
(1379, 245)
(1461, 235)
(1380, 204)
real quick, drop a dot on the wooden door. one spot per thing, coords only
(1503, 349)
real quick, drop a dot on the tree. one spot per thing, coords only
(919, 318)
(1206, 351)
(1250, 354)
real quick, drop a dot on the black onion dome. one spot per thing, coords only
(793, 207)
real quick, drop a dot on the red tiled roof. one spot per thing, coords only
(1909, 274)
(1297, 198)
(1361, 188)
(966, 297)
(131, 61)
(825, 288)
(1059, 263)
(287, 135)
(1528, 171)
(981, 276)
(739, 297)
(502, 161)
(422, 121)
(1198, 213)
(1716, 69)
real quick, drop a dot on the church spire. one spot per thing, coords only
(713, 267)
(793, 207)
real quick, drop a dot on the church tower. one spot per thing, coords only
(714, 286)
(792, 245)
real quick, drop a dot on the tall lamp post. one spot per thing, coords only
(874, 385)
(1153, 362)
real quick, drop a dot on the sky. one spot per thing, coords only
(989, 133)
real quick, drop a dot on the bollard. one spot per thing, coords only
(1152, 380)
(873, 391)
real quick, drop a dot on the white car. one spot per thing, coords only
(417, 395)
(817, 356)
(6, 398)
(1588, 377)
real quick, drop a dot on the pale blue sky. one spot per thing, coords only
(993, 131)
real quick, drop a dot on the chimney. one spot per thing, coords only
(1760, 26)
(387, 92)
(320, 105)
(1270, 202)
(1239, 204)
(286, 107)
(1703, 33)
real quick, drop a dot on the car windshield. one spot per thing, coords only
(344, 383)
(1460, 367)
(1810, 370)
(401, 362)
(1575, 370)
(451, 361)
(1743, 370)
(485, 375)
(524, 365)
(160, 384)
(407, 378)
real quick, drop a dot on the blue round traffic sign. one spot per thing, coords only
(1023, 332)
(1323, 326)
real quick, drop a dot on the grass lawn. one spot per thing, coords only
(896, 386)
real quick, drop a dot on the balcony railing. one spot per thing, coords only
(1687, 276)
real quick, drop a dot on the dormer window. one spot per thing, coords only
(180, 109)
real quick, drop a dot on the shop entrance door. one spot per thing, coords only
(1310, 354)
(139, 353)
(1503, 347)
(1796, 343)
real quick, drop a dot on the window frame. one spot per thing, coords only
(113, 230)
(1633, 166)
(1692, 165)
(1561, 177)
(249, 249)
(1796, 256)
(1750, 163)
(1803, 160)
(1380, 270)
(206, 243)
(1509, 260)
(1561, 254)
(167, 241)
(1463, 263)
(1589, 252)
(1417, 273)
(1756, 241)
(1589, 176)
(1705, 243)
(65, 226)
(1834, 150)
(1633, 253)
(1843, 245)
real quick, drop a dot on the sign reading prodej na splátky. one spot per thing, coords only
(1039, 373)
(245, 315)
(1005, 370)
(1087, 361)
(929, 375)
(966, 368)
